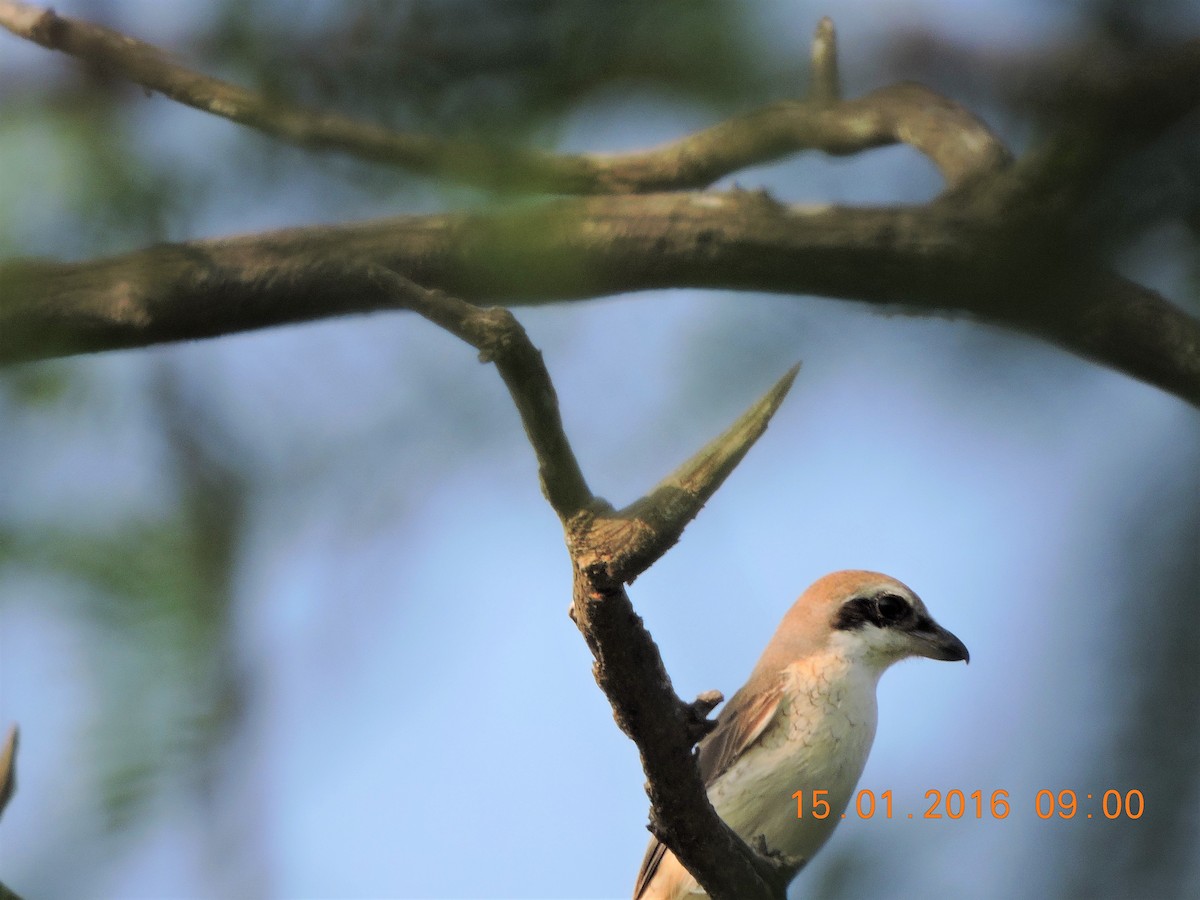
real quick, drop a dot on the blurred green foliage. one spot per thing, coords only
(491, 67)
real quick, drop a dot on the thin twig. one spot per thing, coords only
(826, 85)
(500, 339)
(957, 142)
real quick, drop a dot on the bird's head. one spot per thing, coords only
(870, 616)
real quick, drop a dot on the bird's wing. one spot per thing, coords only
(654, 855)
(739, 725)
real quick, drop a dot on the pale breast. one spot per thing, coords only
(818, 741)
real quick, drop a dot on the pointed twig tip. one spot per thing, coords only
(667, 509)
(775, 396)
(790, 376)
(826, 83)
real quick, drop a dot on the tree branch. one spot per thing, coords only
(627, 542)
(957, 142)
(608, 549)
(628, 667)
(500, 339)
(968, 254)
(943, 259)
(826, 82)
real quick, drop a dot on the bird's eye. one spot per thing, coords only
(891, 608)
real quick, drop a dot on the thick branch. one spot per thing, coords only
(940, 259)
(629, 670)
(957, 142)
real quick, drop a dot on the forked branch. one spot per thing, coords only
(624, 543)
(606, 550)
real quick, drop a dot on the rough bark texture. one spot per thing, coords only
(937, 260)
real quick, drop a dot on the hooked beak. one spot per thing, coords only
(935, 642)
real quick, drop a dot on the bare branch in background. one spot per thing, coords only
(994, 247)
(956, 141)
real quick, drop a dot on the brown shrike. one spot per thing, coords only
(805, 719)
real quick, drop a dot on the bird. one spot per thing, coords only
(804, 720)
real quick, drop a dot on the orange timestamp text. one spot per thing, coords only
(957, 804)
